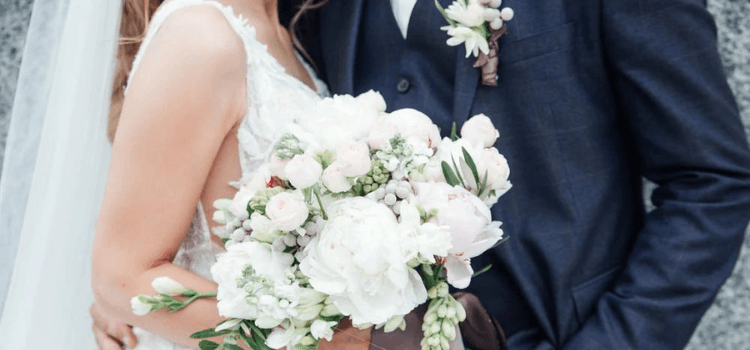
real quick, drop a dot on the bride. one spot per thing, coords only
(211, 86)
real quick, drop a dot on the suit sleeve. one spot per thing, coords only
(682, 117)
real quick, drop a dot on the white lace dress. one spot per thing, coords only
(275, 98)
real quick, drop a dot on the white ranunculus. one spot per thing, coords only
(140, 308)
(277, 166)
(334, 179)
(470, 222)
(287, 210)
(359, 262)
(229, 268)
(321, 329)
(303, 171)
(414, 126)
(474, 40)
(373, 99)
(166, 285)
(353, 158)
(470, 14)
(422, 240)
(480, 131)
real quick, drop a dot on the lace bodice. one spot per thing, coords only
(275, 98)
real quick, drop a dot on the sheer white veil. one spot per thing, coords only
(54, 171)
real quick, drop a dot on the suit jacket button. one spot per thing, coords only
(403, 85)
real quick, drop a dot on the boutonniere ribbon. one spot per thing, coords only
(478, 24)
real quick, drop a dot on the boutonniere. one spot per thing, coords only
(478, 24)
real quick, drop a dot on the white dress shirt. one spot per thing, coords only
(402, 11)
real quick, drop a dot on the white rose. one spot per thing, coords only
(277, 166)
(496, 167)
(320, 329)
(140, 308)
(230, 266)
(373, 99)
(354, 158)
(359, 262)
(335, 180)
(166, 285)
(411, 124)
(303, 171)
(470, 222)
(287, 210)
(479, 131)
(257, 182)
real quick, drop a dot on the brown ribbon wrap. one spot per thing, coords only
(489, 61)
(480, 331)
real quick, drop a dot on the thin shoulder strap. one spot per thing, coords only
(237, 23)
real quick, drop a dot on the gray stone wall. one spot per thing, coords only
(726, 325)
(14, 21)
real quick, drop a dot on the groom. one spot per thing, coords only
(592, 96)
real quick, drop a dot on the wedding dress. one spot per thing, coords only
(275, 98)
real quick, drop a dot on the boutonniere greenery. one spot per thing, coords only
(478, 24)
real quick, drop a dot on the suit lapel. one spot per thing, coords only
(340, 29)
(467, 81)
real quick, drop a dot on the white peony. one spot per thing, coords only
(358, 260)
(496, 167)
(479, 131)
(334, 179)
(337, 120)
(373, 99)
(166, 285)
(413, 125)
(423, 241)
(470, 222)
(353, 158)
(287, 210)
(303, 171)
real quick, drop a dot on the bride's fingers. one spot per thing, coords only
(112, 328)
(104, 341)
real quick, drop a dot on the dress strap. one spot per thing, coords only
(238, 23)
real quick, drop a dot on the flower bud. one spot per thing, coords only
(166, 285)
(140, 305)
(441, 311)
(496, 23)
(507, 14)
(495, 3)
(237, 235)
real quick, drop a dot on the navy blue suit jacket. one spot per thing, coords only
(593, 95)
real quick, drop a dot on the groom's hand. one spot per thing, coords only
(110, 334)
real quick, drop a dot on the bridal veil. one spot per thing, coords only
(54, 172)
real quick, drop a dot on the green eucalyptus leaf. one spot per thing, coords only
(458, 172)
(450, 177)
(472, 166)
(207, 345)
(209, 333)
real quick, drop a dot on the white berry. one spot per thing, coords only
(496, 24)
(390, 199)
(507, 14)
(495, 3)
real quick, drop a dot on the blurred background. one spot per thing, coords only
(725, 326)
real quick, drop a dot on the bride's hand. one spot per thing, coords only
(110, 334)
(348, 337)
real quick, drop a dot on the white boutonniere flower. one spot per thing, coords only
(477, 24)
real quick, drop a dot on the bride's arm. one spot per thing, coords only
(186, 96)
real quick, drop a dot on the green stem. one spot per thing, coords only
(320, 203)
(188, 301)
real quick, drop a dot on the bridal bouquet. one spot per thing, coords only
(357, 213)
